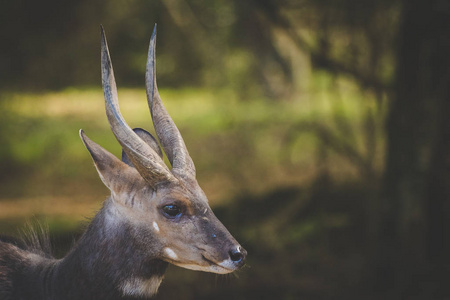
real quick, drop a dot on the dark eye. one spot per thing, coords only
(171, 211)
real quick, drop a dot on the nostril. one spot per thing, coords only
(237, 255)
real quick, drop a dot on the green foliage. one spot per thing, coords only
(238, 146)
(257, 48)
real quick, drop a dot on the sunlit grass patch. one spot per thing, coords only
(252, 145)
(60, 214)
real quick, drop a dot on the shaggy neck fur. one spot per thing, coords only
(104, 264)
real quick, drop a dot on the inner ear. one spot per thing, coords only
(148, 138)
(116, 175)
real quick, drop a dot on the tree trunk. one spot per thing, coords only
(412, 244)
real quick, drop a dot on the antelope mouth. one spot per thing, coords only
(223, 264)
(201, 264)
(221, 267)
(208, 260)
(211, 267)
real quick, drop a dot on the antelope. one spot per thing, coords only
(154, 216)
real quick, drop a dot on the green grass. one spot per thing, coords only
(238, 146)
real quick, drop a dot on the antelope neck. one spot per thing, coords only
(105, 264)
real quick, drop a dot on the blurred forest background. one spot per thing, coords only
(319, 129)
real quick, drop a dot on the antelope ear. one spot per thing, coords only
(148, 138)
(115, 174)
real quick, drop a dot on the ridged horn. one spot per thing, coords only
(148, 138)
(166, 130)
(147, 162)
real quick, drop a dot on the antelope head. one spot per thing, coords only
(166, 208)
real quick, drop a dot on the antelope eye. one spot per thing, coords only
(171, 211)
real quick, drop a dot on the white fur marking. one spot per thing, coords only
(34, 258)
(218, 269)
(170, 253)
(227, 264)
(139, 287)
(155, 225)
